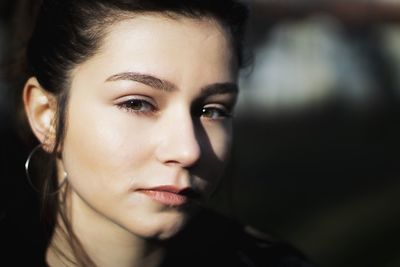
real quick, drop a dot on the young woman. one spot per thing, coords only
(132, 101)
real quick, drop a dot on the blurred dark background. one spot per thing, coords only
(317, 131)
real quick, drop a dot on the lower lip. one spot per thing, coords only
(166, 198)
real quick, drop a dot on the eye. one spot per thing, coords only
(137, 105)
(216, 112)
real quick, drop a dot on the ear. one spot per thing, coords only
(40, 108)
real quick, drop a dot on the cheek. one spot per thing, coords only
(101, 145)
(216, 155)
(220, 139)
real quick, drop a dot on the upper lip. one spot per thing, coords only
(185, 191)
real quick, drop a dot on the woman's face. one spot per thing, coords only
(148, 126)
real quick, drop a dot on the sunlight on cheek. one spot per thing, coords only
(221, 140)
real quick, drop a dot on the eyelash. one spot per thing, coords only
(217, 112)
(145, 107)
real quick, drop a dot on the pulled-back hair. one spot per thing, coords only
(69, 32)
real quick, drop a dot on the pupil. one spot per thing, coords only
(208, 112)
(135, 104)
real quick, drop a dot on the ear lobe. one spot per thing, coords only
(40, 108)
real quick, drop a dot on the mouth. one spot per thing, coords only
(171, 195)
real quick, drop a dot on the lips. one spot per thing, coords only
(170, 195)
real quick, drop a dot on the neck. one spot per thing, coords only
(105, 243)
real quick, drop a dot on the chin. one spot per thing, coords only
(162, 228)
(172, 231)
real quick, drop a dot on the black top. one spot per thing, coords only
(213, 240)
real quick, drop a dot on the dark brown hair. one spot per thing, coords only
(67, 33)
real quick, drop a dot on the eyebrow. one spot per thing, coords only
(219, 89)
(164, 85)
(145, 79)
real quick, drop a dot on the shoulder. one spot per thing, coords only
(214, 240)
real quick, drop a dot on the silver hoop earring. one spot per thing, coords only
(29, 178)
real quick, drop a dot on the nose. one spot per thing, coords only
(179, 143)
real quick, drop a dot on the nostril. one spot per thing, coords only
(181, 147)
(184, 153)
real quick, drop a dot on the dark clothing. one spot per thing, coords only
(213, 240)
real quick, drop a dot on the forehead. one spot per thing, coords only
(166, 25)
(170, 47)
(162, 44)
